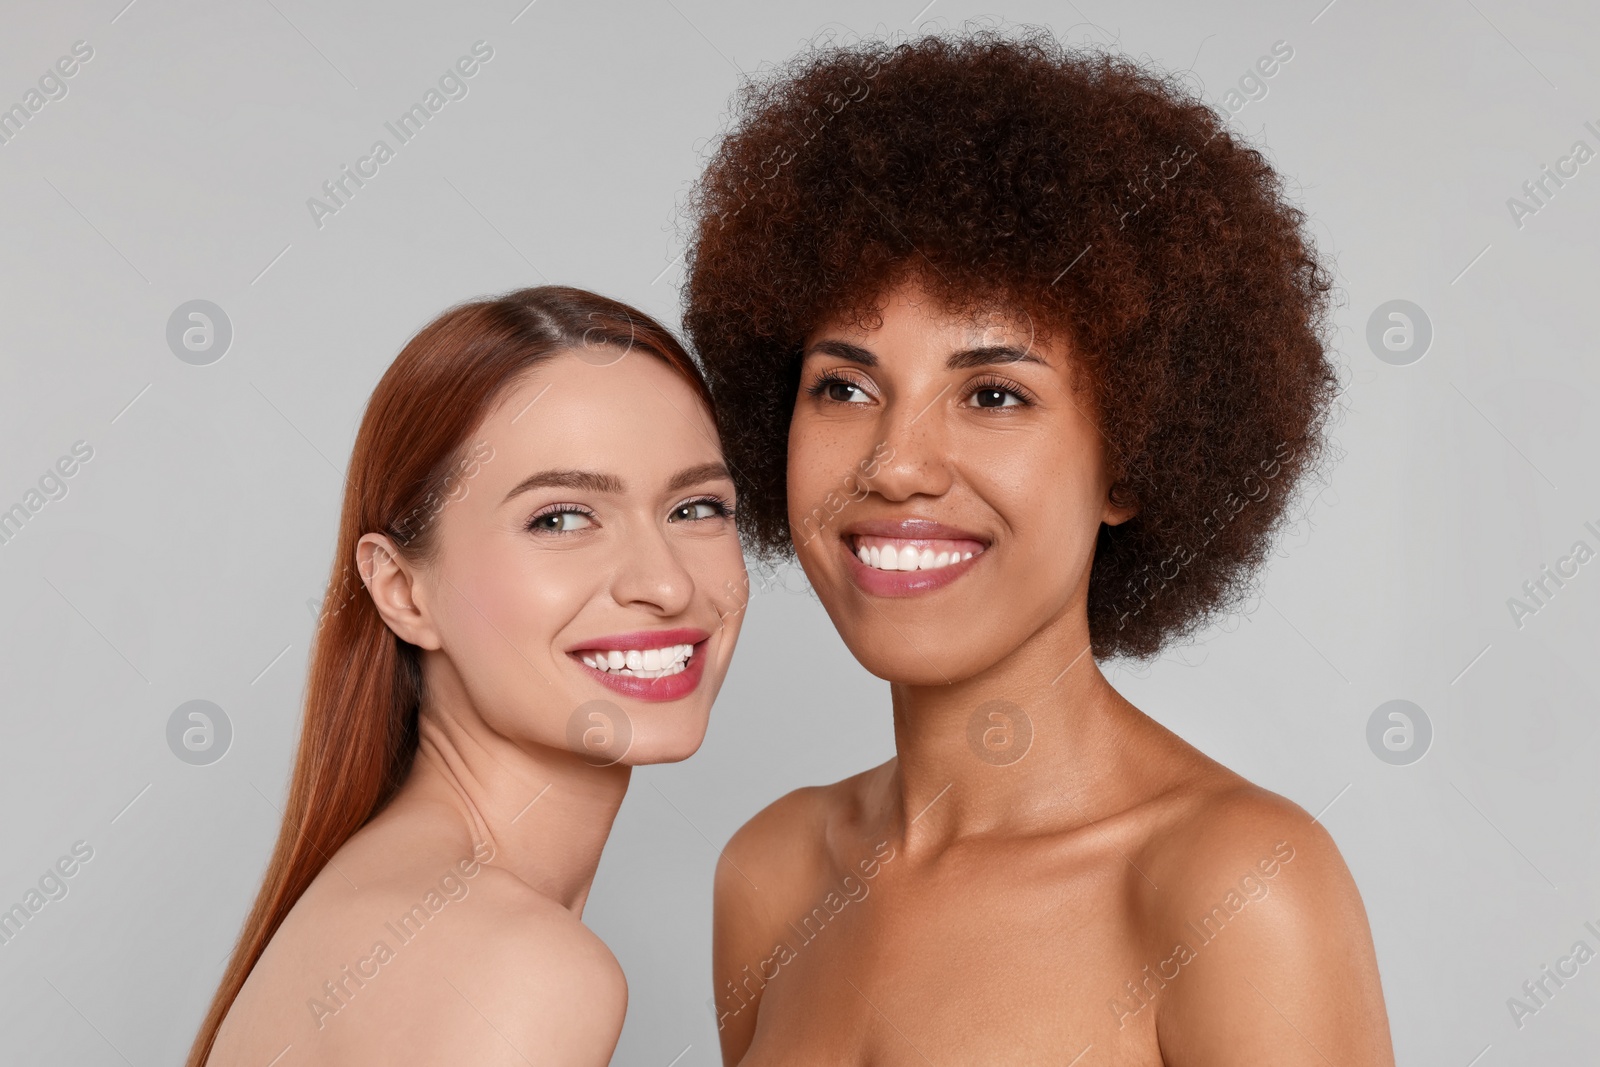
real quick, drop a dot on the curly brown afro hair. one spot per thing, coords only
(1099, 196)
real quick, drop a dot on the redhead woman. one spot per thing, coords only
(537, 586)
(1021, 352)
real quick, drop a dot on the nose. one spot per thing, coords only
(652, 576)
(913, 459)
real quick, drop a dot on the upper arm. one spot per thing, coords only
(1272, 958)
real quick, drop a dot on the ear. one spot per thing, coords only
(1120, 506)
(394, 587)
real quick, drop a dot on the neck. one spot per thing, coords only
(1017, 747)
(544, 812)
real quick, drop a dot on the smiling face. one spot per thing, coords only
(946, 487)
(587, 582)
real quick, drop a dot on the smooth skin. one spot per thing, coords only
(505, 972)
(959, 904)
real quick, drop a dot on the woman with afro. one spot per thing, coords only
(1021, 352)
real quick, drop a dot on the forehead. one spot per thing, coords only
(907, 310)
(612, 414)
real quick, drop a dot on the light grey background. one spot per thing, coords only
(180, 563)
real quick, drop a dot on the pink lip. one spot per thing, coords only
(907, 583)
(902, 583)
(672, 687)
(911, 530)
(643, 639)
(656, 690)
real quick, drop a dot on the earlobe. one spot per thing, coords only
(392, 583)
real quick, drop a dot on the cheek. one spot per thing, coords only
(821, 457)
(718, 570)
(508, 601)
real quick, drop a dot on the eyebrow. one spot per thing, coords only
(588, 481)
(705, 472)
(966, 359)
(596, 482)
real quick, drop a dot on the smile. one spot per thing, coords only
(639, 663)
(888, 554)
(652, 665)
(908, 557)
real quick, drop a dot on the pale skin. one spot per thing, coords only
(504, 814)
(990, 900)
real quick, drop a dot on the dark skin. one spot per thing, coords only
(1068, 879)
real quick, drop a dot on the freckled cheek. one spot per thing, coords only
(821, 458)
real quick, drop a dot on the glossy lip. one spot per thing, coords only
(642, 639)
(905, 583)
(656, 690)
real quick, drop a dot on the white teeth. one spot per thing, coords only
(637, 663)
(906, 558)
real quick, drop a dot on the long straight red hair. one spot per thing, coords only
(359, 731)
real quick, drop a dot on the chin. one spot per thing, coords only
(672, 737)
(906, 656)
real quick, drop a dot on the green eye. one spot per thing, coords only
(565, 521)
(695, 510)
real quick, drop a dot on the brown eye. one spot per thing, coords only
(995, 396)
(846, 392)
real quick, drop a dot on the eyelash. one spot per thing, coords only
(556, 509)
(819, 387)
(1000, 385)
(721, 507)
(827, 378)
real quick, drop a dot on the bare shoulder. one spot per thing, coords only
(1259, 939)
(791, 841)
(768, 873)
(1223, 828)
(429, 959)
(525, 976)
